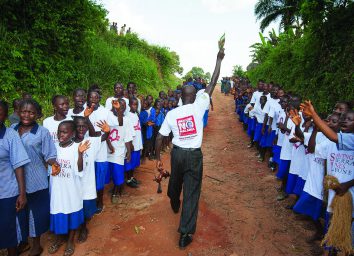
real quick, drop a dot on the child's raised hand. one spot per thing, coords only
(295, 117)
(103, 126)
(307, 108)
(297, 138)
(88, 111)
(115, 104)
(55, 169)
(84, 146)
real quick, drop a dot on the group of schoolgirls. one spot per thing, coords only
(303, 148)
(54, 175)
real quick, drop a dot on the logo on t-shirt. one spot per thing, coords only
(114, 136)
(137, 126)
(186, 126)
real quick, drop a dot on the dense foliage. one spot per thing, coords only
(197, 72)
(316, 59)
(49, 47)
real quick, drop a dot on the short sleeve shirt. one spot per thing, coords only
(12, 156)
(40, 148)
(345, 141)
(186, 123)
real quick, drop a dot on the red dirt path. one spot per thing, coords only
(238, 212)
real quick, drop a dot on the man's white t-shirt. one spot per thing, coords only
(88, 180)
(340, 164)
(109, 104)
(100, 114)
(65, 188)
(118, 136)
(137, 136)
(186, 123)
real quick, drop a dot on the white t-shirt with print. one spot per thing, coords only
(88, 179)
(274, 112)
(100, 114)
(287, 146)
(186, 123)
(340, 164)
(314, 181)
(281, 119)
(118, 136)
(65, 188)
(137, 136)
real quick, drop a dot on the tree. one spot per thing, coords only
(238, 71)
(269, 11)
(196, 72)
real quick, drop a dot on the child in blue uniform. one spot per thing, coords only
(13, 157)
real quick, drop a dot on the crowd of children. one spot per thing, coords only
(303, 148)
(54, 175)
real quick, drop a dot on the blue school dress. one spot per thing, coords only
(40, 148)
(152, 118)
(12, 156)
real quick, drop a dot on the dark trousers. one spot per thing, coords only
(186, 170)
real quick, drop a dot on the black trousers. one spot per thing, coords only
(186, 171)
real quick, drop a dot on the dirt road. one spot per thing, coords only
(238, 212)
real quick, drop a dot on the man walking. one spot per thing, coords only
(186, 124)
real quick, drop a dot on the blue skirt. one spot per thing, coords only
(299, 186)
(34, 219)
(276, 154)
(283, 170)
(309, 205)
(251, 126)
(291, 182)
(134, 161)
(61, 223)
(205, 118)
(258, 132)
(101, 169)
(90, 208)
(245, 118)
(116, 173)
(8, 232)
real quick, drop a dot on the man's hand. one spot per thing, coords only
(221, 54)
(159, 165)
(21, 202)
(342, 189)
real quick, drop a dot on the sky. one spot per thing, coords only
(192, 28)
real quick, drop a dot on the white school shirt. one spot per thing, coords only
(137, 136)
(52, 126)
(314, 181)
(71, 113)
(65, 188)
(274, 112)
(100, 114)
(118, 136)
(258, 111)
(109, 104)
(340, 164)
(287, 146)
(186, 123)
(88, 179)
(281, 119)
(255, 96)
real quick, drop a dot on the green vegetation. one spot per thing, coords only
(197, 72)
(313, 55)
(52, 47)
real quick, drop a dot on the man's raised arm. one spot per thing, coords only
(210, 88)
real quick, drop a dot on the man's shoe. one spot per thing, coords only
(185, 240)
(175, 206)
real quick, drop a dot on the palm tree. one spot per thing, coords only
(270, 10)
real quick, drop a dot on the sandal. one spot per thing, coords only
(116, 199)
(53, 248)
(69, 251)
